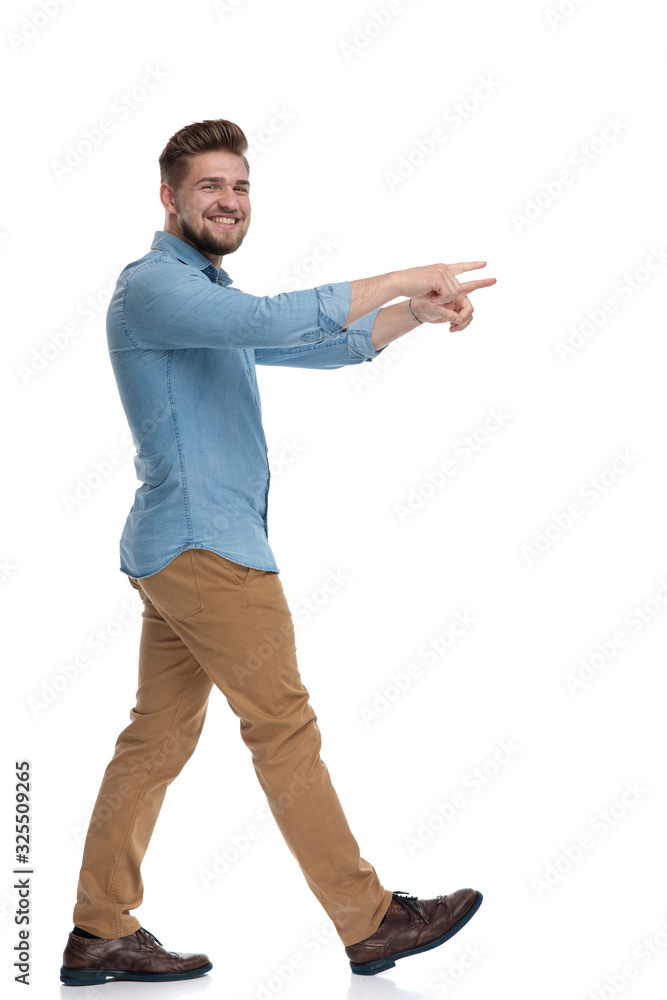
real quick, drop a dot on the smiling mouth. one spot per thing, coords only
(224, 221)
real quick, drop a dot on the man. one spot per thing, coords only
(183, 345)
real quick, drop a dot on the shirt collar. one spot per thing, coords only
(188, 254)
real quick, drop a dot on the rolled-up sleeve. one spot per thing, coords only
(353, 346)
(161, 307)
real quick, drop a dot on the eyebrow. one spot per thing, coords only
(202, 179)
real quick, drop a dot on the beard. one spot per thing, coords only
(208, 242)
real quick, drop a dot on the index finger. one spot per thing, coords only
(470, 266)
(470, 286)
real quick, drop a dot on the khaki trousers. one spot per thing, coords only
(208, 620)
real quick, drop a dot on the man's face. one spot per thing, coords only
(211, 208)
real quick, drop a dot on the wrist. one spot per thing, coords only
(414, 312)
(393, 285)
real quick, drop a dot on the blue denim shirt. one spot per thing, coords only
(183, 345)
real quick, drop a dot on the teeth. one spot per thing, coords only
(224, 219)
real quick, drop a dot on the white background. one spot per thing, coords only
(360, 97)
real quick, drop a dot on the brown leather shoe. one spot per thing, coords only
(412, 925)
(138, 956)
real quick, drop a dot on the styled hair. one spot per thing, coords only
(201, 137)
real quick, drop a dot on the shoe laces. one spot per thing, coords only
(145, 936)
(405, 900)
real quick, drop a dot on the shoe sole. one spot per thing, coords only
(97, 977)
(381, 964)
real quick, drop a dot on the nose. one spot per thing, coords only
(228, 200)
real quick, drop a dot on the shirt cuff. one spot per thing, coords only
(359, 343)
(335, 300)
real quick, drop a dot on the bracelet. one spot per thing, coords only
(413, 312)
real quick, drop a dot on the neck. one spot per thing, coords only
(171, 226)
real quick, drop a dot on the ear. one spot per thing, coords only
(167, 198)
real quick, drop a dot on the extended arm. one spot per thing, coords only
(158, 306)
(373, 332)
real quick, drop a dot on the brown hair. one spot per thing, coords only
(200, 137)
